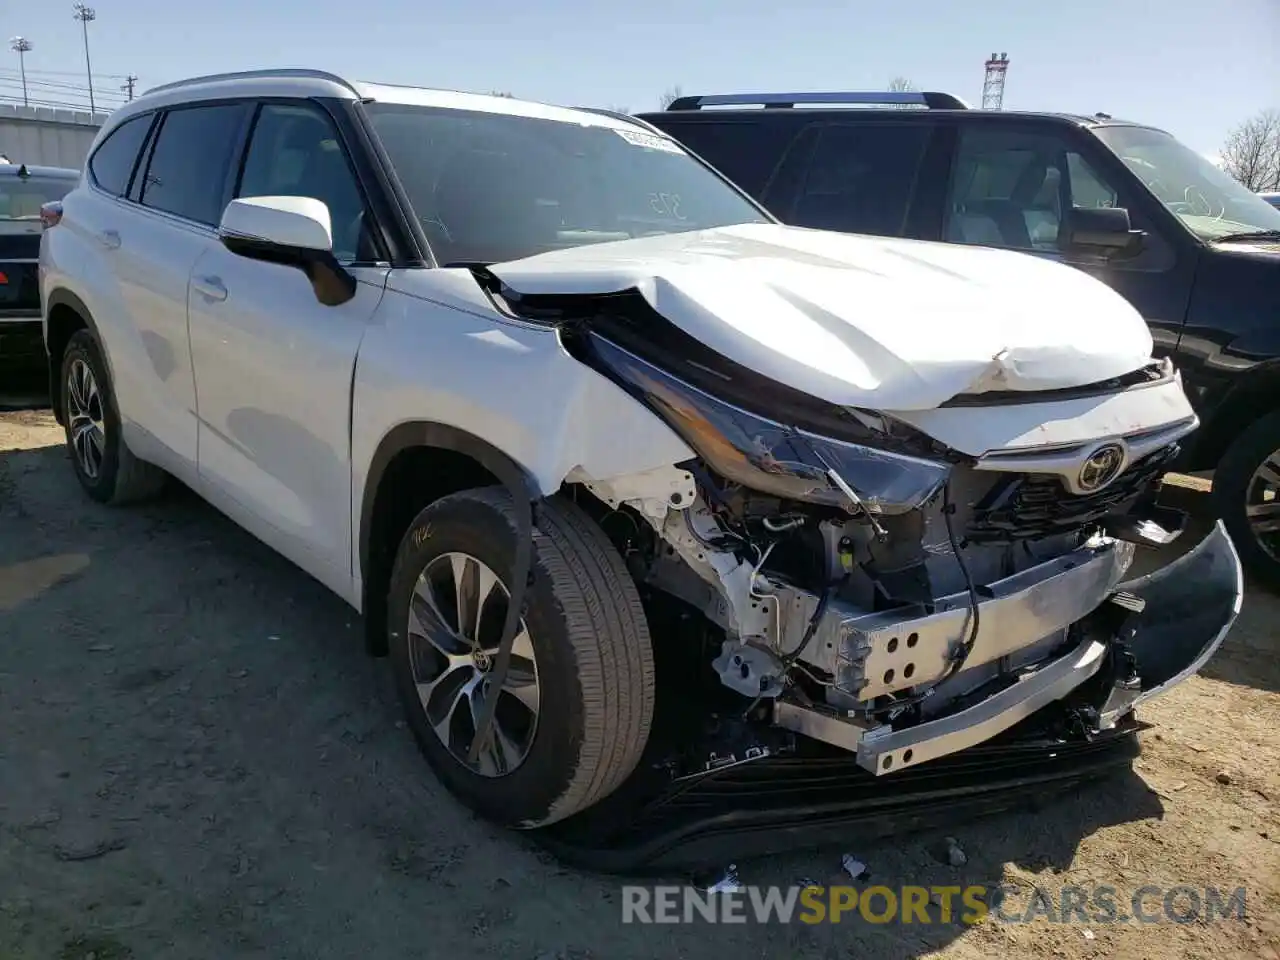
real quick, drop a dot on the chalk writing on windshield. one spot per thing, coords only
(666, 205)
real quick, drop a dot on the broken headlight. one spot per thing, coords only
(774, 458)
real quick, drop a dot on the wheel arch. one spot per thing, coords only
(415, 464)
(64, 314)
(1253, 397)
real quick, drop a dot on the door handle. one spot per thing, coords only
(109, 239)
(211, 288)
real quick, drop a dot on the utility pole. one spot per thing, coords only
(22, 46)
(128, 85)
(85, 14)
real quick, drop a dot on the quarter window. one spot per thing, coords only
(187, 173)
(745, 151)
(112, 163)
(861, 178)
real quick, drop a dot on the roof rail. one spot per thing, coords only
(934, 101)
(290, 72)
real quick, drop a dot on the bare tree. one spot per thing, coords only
(1251, 152)
(501, 93)
(672, 94)
(901, 85)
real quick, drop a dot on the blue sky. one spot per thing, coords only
(1190, 66)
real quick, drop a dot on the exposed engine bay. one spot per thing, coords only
(872, 588)
(921, 608)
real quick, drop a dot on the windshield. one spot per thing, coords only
(489, 187)
(1208, 200)
(22, 197)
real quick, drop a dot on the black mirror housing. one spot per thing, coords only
(1103, 230)
(333, 284)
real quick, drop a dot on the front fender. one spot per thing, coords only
(503, 391)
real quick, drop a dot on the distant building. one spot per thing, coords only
(45, 136)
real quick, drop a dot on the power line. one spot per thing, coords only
(79, 73)
(49, 84)
(12, 83)
(55, 104)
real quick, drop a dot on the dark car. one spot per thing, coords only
(1197, 253)
(23, 190)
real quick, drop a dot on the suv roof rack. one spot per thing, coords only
(289, 72)
(934, 101)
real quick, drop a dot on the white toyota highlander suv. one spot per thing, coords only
(644, 493)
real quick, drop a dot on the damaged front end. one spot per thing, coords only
(875, 599)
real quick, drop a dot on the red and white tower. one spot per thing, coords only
(993, 82)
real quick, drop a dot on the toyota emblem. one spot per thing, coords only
(1103, 466)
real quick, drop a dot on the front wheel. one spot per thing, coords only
(1246, 493)
(573, 714)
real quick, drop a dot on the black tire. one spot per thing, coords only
(120, 477)
(1231, 484)
(590, 639)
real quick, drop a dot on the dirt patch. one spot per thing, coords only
(198, 760)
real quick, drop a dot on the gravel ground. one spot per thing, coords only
(198, 760)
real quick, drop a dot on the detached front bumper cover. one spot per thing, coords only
(813, 795)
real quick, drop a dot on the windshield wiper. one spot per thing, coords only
(1249, 235)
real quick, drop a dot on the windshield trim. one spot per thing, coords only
(365, 110)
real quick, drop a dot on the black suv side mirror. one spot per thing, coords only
(1103, 231)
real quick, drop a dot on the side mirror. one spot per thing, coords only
(1104, 231)
(292, 231)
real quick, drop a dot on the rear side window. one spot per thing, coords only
(745, 151)
(861, 178)
(112, 163)
(187, 174)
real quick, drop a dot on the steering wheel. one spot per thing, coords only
(1200, 204)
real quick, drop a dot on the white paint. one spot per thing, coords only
(301, 223)
(862, 321)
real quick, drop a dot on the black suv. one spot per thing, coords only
(1194, 251)
(23, 190)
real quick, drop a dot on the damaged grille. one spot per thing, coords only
(1032, 505)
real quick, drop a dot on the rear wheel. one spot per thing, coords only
(573, 714)
(1246, 492)
(106, 468)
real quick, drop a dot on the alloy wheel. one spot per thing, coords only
(1262, 505)
(456, 616)
(85, 419)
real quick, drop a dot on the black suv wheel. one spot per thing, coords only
(1246, 493)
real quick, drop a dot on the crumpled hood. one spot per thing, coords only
(863, 321)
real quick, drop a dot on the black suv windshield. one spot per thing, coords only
(489, 187)
(1207, 199)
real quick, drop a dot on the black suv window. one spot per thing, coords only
(1012, 188)
(295, 152)
(187, 173)
(745, 151)
(861, 178)
(112, 163)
